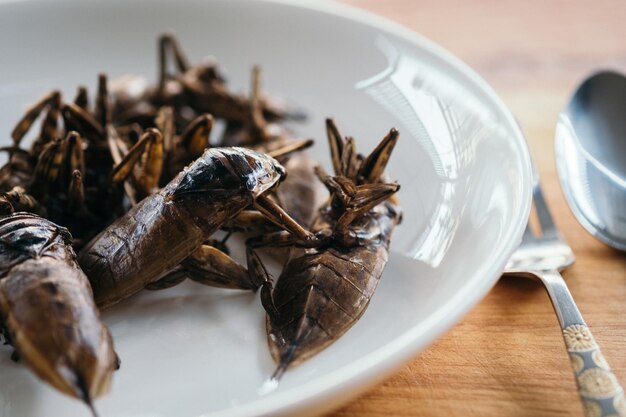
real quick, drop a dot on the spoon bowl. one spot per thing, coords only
(590, 148)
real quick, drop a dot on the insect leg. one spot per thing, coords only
(103, 107)
(165, 123)
(349, 161)
(168, 41)
(336, 144)
(150, 147)
(75, 153)
(124, 168)
(76, 193)
(195, 138)
(257, 270)
(336, 189)
(169, 280)
(117, 146)
(76, 118)
(366, 197)
(209, 266)
(15, 357)
(82, 98)
(31, 115)
(277, 215)
(152, 166)
(50, 123)
(259, 273)
(283, 152)
(48, 169)
(373, 166)
(250, 221)
(258, 122)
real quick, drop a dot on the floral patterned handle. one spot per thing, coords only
(601, 393)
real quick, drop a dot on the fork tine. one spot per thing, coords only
(548, 229)
(546, 222)
(528, 234)
(545, 218)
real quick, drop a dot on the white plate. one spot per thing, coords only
(461, 160)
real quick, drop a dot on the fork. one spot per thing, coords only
(543, 255)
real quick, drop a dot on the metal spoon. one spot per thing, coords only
(590, 146)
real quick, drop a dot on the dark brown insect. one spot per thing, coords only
(179, 106)
(189, 90)
(67, 170)
(129, 254)
(155, 153)
(326, 283)
(299, 194)
(47, 312)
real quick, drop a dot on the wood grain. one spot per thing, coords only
(507, 357)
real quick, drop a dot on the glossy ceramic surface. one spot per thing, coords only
(590, 147)
(461, 160)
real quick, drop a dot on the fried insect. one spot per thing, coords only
(326, 284)
(190, 90)
(19, 169)
(128, 255)
(154, 153)
(67, 169)
(47, 312)
(179, 106)
(299, 194)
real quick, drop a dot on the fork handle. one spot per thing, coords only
(601, 393)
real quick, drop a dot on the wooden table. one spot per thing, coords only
(507, 358)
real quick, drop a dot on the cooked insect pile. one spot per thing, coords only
(179, 105)
(327, 282)
(65, 176)
(128, 255)
(189, 90)
(138, 185)
(47, 312)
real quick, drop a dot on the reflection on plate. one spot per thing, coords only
(461, 160)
